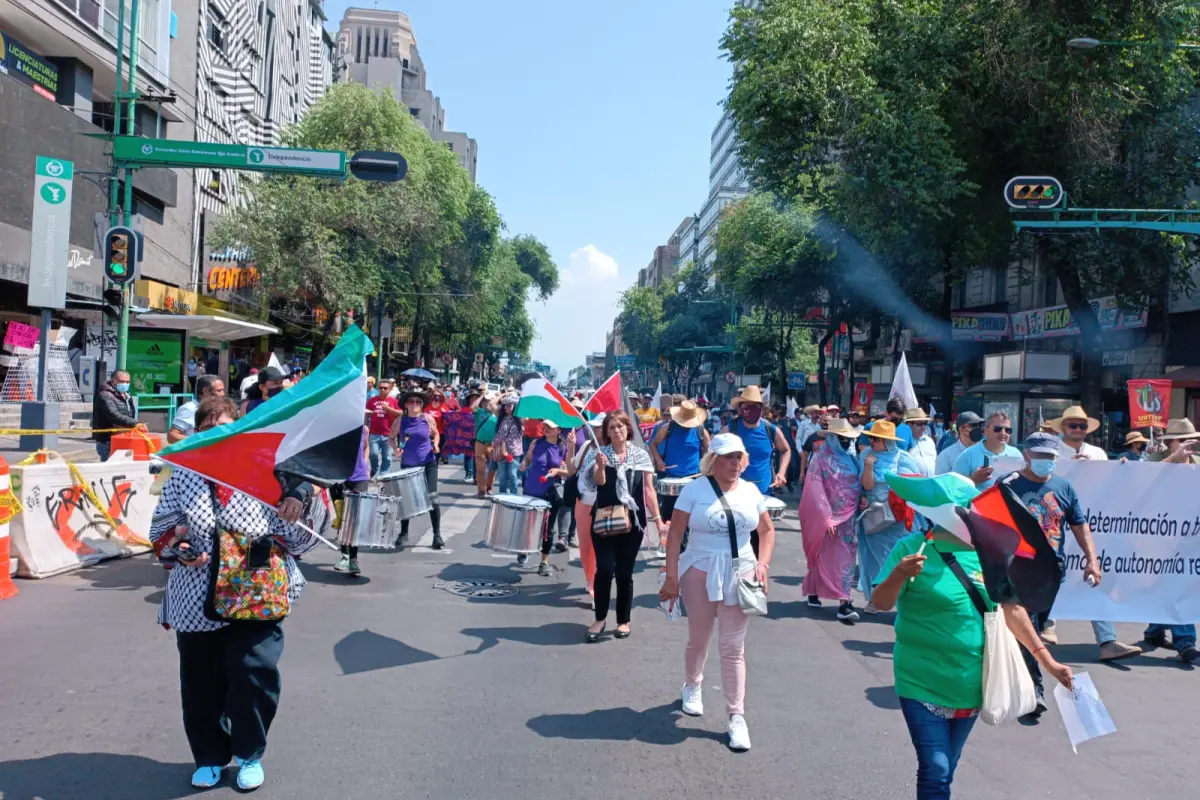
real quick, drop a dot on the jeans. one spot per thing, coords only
(469, 464)
(103, 450)
(1182, 636)
(381, 454)
(939, 743)
(506, 476)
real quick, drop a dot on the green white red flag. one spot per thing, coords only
(540, 400)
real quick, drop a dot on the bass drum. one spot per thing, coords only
(515, 523)
(409, 489)
(775, 507)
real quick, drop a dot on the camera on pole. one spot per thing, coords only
(120, 254)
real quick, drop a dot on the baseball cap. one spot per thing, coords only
(725, 443)
(968, 418)
(1045, 443)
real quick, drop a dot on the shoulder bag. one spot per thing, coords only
(1008, 691)
(247, 579)
(752, 597)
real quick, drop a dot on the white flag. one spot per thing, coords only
(657, 399)
(767, 396)
(902, 384)
(792, 405)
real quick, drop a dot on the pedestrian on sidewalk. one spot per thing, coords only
(228, 669)
(938, 662)
(705, 574)
(545, 468)
(112, 408)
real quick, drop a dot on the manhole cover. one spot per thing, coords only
(478, 588)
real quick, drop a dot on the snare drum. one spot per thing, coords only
(775, 507)
(366, 520)
(672, 487)
(515, 523)
(410, 491)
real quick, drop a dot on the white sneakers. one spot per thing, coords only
(693, 703)
(739, 734)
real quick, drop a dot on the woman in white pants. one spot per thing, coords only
(704, 575)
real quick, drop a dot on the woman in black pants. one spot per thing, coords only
(416, 435)
(620, 475)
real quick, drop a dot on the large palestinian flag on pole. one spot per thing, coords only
(312, 430)
(1019, 565)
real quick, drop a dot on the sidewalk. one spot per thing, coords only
(73, 447)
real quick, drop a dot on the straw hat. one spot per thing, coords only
(1074, 412)
(1135, 437)
(1180, 429)
(688, 415)
(883, 429)
(841, 427)
(813, 409)
(916, 415)
(751, 394)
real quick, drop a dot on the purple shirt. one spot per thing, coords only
(362, 471)
(546, 457)
(415, 439)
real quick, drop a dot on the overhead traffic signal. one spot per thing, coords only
(1033, 192)
(120, 253)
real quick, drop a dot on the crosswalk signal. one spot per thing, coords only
(113, 300)
(1033, 193)
(120, 250)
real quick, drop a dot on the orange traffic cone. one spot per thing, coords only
(9, 507)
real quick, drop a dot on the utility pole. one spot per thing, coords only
(122, 214)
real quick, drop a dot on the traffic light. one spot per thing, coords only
(113, 298)
(120, 253)
(1033, 192)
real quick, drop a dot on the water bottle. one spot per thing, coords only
(673, 608)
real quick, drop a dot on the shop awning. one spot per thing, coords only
(1025, 387)
(216, 329)
(1186, 378)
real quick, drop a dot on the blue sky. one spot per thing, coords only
(593, 122)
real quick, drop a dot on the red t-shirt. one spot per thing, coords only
(381, 421)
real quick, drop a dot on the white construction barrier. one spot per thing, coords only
(70, 512)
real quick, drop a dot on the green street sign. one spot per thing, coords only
(136, 151)
(50, 233)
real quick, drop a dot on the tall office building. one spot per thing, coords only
(377, 48)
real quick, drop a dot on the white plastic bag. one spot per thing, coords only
(1083, 712)
(1008, 690)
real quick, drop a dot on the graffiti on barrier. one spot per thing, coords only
(115, 493)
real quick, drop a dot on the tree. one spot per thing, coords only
(903, 120)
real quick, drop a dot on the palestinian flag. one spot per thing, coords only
(312, 430)
(1018, 562)
(540, 400)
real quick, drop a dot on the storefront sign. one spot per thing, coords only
(21, 64)
(1116, 358)
(1045, 323)
(233, 277)
(161, 297)
(154, 357)
(1149, 403)
(864, 393)
(979, 327)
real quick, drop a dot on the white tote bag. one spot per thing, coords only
(1008, 690)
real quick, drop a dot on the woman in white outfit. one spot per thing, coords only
(705, 578)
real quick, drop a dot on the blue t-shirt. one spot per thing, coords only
(681, 451)
(971, 459)
(1054, 504)
(903, 433)
(760, 445)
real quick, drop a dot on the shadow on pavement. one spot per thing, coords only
(461, 572)
(321, 574)
(553, 634)
(787, 580)
(113, 776)
(883, 697)
(367, 651)
(1090, 654)
(126, 574)
(869, 649)
(154, 598)
(658, 725)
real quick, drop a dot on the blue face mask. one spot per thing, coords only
(1043, 467)
(123, 388)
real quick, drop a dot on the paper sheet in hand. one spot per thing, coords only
(1083, 712)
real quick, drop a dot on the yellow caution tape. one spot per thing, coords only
(77, 478)
(36, 431)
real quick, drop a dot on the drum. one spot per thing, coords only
(775, 507)
(672, 487)
(408, 487)
(515, 523)
(366, 520)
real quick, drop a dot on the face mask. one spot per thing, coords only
(751, 414)
(273, 392)
(976, 435)
(123, 388)
(1043, 467)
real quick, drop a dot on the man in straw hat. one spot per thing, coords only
(923, 449)
(1074, 425)
(762, 440)
(1182, 441)
(810, 423)
(676, 449)
(1135, 447)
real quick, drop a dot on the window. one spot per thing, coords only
(415, 112)
(358, 47)
(214, 181)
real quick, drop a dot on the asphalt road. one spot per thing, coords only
(396, 689)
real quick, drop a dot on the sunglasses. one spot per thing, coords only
(1001, 429)
(1075, 426)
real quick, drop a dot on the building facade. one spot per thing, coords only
(378, 48)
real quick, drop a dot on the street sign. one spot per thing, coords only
(377, 165)
(731, 377)
(797, 381)
(447, 359)
(626, 362)
(51, 232)
(479, 358)
(138, 151)
(1033, 192)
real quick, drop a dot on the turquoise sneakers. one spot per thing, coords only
(250, 774)
(206, 777)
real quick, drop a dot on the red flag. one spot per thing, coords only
(1149, 403)
(608, 397)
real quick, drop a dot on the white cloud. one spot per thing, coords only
(576, 318)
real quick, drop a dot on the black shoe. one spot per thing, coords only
(560, 546)
(620, 634)
(846, 613)
(1189, 655)
(1157, 640)
(438, 542)
(401, 540)
(544, 569)
(814, 601)
(594, 636)
(1040, 708)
